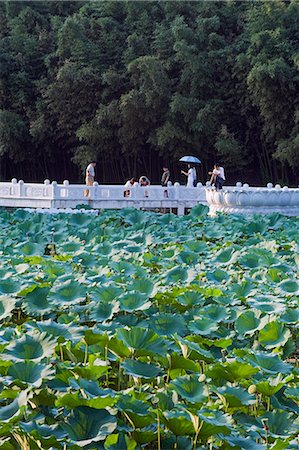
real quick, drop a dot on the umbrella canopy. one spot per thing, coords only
(190, 160)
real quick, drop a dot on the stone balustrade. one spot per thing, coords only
(250, 200)
(239, 199)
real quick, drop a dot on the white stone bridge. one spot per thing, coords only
(231, 199)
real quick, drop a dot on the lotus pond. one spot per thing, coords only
(135, 330)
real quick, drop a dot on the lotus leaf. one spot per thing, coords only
(85, 425)
(189, 388)
(140, 369)
(236, 397)
(30, 372)
(104, 310)
(142, 341)
(68, 292)
(7, 304)
(290, 287)
(274, 334)
(272, 385)
(290, 316)
(168, 324)
(134, 301)
(179, 422)
(214, 422)
(282, 424)
(63, 331)
(13, 408)
(9, 286)
(32, 346)
(36, 301)
(269, 363)
(247, 323)
(204, 326)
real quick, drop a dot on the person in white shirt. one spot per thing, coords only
(192, 177)
(217, 176)
(89, 176)
(90, 173)
(129, 184)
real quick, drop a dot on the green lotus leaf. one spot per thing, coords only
(43, 430)
(32, 346)
(30, 372)
(13, 408)
(103, 311)
(290, 316)
(236, 396)
(243, 289)
(36, 301)
(144, 437)
(204, 326)
(247, 323)
(188, 257)
(74, 400)
(272, 385)
(176, 275)
(234, 371)
(9, 286)
(243, 443)
(190, 298)
(250, 261)
(140, 369)
(198, 247)
(282, 424)
(80, 219)
(7, 304)
(137, 410)
(105, 294)
(119, 441)
(134, 301)
(65, 331)
(273, 335)
(217, 275)
(142, 341)
(178, 422)
(275, 274)
(226, 256)
(67, 292)
(168, 324)
(142, 285)
(290, 287)
(214, 422)
(179, 362)
(189, 388)
(197, 352)
(128, 403)
(30, 248)
(85, 425)
(269, 363)
(215, 312)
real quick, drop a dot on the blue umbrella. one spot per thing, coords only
(190, 159)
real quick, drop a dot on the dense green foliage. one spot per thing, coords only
(133, 84)
(139, 330)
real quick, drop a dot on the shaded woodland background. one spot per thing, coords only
(138, 84)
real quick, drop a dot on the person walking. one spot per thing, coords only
(191, 176)
(89, 176)
(165, 176)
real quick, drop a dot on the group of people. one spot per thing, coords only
(217, 177)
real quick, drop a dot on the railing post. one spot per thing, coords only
(14, 190)
(94, 191)
(21, 188)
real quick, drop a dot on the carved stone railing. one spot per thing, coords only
(65, 195)
(231, 199)
(254, 200)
